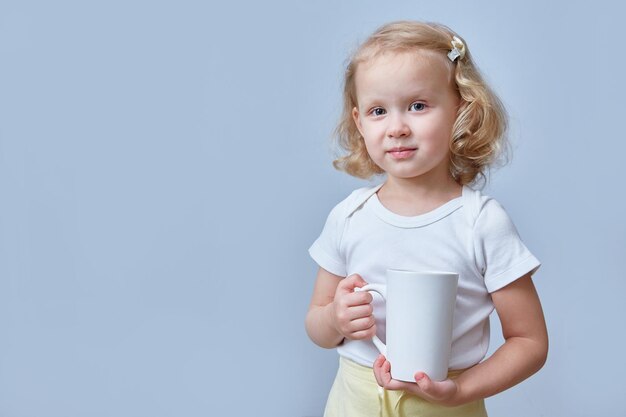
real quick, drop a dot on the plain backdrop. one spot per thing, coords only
(165, 165)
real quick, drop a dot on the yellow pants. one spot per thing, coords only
(355, 393)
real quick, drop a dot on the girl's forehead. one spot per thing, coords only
(396, 59)
(424, 67)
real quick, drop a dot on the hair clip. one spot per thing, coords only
(458, 49)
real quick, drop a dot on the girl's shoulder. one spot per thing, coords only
(473, 203)
(485, 211)
(354, 201)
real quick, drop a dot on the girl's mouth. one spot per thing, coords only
(402, 153)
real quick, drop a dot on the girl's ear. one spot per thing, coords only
(357, 120)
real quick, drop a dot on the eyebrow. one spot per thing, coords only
(418, 94)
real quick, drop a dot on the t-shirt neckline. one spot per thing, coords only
(425, 219)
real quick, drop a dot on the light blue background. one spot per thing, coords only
(164, 167)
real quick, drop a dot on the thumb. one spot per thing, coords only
(423, 381)
(353, 281)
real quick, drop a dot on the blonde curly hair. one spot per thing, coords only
(478, 136)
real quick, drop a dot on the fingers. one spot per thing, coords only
(345, 291)
(360, 328)
(378, 363)
(357, 328)
(357, 298)
(347, 314)
(362, 323)
(348, 284)
(442, 392)
(382, 373)
(357, 280)
(363, 333)
(423, 381)
(353, 312)
(359, 311)
(386, 373)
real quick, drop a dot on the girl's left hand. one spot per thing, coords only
(443, 392)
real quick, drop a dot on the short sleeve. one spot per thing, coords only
(326, 249)
(501, 256)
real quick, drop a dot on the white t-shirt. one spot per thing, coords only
(471, 235)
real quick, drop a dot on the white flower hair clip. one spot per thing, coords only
(458, 49)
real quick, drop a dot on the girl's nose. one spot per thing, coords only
(397, 127)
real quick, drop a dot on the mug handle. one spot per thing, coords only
(382, 290)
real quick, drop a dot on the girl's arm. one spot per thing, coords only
(525, 348)
(523, 353)
(337, 312)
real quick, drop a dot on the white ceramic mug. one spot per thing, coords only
(420, 313)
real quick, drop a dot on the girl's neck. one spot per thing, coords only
(408, 197)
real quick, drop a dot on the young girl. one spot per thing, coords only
(417, 110)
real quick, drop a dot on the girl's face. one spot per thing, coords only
(407, 105)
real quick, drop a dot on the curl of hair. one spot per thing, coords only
(478, 138)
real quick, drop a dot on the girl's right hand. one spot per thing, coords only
(352, 311)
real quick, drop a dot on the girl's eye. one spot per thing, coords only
(418, 106)
(378, 111)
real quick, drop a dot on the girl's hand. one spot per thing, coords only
(352, 311)
(444, 392)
